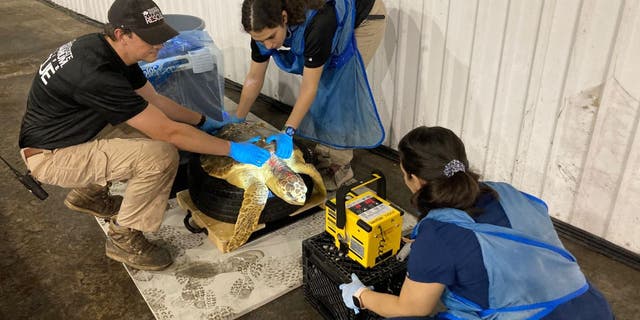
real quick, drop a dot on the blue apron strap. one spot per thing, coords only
(548, 306)
(339, 61)
(464, 300)
(448, 316)
(535, 199)
(470, 305)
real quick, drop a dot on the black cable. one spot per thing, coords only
(28, 181)
(382, 242)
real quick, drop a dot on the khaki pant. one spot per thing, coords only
(368, 34)
(116, 154)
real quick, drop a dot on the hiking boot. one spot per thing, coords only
(323, 159)
(94, 200)
(130, 247)
(335, 176)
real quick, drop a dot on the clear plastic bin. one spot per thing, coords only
(184, 22)
(189, 71)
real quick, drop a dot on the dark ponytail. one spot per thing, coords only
(260, 14)
(425, 152)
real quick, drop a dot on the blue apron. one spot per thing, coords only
(344, 113)
(530, 273)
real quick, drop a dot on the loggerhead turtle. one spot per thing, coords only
(278, 175)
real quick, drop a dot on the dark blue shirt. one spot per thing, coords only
(451, 255)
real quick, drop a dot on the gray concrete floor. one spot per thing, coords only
(52, 262)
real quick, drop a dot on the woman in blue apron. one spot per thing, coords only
(328, 43)
(487, 250)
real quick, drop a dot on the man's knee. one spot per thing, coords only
(161, 155)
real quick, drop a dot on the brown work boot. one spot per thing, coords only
(94, 200)
(336, 175)
(130, 247)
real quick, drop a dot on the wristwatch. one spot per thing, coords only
(290, 131)
(356, 298)
(356, 302)
(203, 119)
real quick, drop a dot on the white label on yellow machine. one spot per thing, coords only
(368, 208)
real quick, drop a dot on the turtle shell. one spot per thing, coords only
(280, 176)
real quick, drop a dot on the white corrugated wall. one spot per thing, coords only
(545, 93)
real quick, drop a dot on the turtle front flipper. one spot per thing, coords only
(255, 198)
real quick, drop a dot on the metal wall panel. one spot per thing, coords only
(545, 93)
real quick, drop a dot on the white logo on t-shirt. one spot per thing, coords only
(55, 61)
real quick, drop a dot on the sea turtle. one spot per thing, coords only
(278, 175)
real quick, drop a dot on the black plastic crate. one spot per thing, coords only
(324, 268)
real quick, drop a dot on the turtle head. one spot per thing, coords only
(292, 190)
(286, 183)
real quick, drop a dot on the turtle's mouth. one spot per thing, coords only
(294, 199)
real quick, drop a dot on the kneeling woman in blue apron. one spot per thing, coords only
(328, 43)
(487, 250)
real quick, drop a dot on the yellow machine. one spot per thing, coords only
(362, 222)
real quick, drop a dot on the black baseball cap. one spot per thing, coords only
(142, 17)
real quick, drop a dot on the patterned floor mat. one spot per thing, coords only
(204, 283)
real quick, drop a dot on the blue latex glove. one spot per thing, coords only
(211, 126)
(284, 144)
(247, 152)
(349, 289)
(234, 119)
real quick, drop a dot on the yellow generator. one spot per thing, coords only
(363, 223)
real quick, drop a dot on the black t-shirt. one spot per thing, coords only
(318, 36)
(363, 7)
(80, 87)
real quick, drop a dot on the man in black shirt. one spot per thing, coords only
(92, 118)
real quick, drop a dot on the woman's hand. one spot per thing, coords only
(351, 293)
(284, 144)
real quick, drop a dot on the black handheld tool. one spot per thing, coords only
(28, 181)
